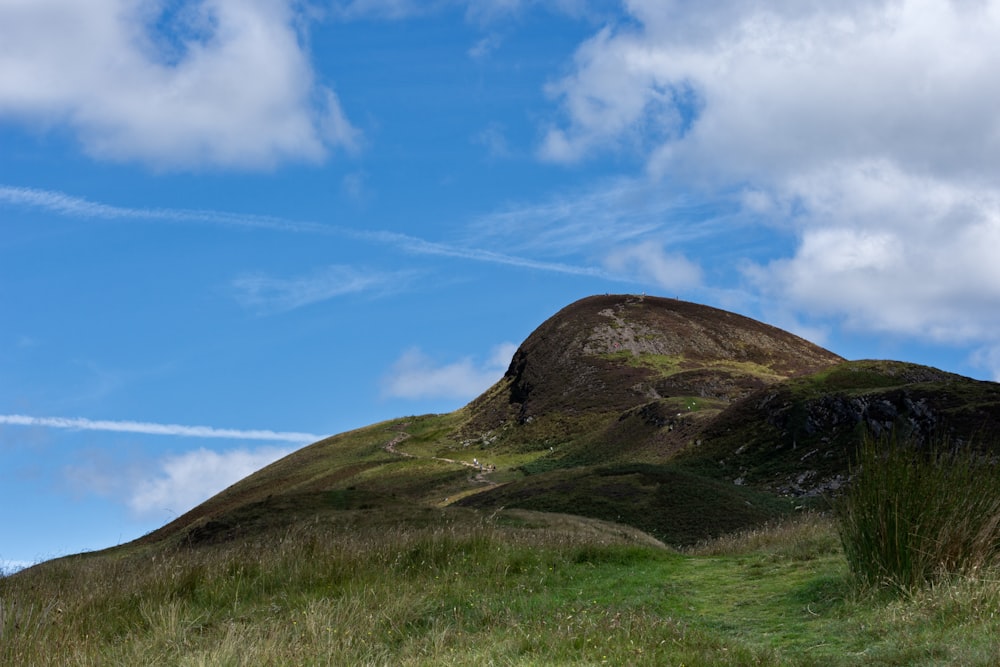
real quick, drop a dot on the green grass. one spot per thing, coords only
(664, 364)
(460, 588)
(672, 504)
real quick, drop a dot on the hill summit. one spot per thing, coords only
(612, 352)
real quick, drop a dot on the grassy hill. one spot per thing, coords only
(541, 523)
(596, 404)
(682, 420)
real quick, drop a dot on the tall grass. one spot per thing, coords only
(916, 515)
(503, 591)
(455, 588)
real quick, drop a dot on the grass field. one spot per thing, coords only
(456, 587)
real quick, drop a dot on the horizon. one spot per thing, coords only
(231, 226)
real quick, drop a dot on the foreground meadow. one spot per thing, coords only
(511, 588)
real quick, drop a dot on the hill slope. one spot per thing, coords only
(679, 419)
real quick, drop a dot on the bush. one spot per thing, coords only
(915, 514)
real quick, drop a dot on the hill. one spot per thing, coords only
(682, 420)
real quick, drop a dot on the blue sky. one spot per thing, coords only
(230, 227)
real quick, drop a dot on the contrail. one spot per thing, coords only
(420, 246)
(64, 204)
(148, 428)
(67, 205)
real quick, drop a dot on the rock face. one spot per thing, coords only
(797, 437)
(611, 353)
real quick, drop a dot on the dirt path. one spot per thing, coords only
(391, 445)
(480, 476)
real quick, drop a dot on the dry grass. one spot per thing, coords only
(809, 535)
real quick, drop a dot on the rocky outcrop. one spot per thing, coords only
(799, 437)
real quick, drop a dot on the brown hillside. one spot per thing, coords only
(614, 352)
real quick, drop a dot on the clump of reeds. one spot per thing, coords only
(917, 514)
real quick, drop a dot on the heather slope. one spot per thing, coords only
(610, 353)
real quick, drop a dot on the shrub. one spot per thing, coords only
(915, 514)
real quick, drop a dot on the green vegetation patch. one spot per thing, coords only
(427, 435)
(664, 365)
(676, 506)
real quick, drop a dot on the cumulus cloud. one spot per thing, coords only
(218, 83)
(893, 252)
(416, 376)
(866, 131)
(736, 88)
(185, 480)
(158, 488)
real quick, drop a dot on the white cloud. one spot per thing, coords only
(866, 130)
(650, 263)
(418, 246)
(781, 86)
(491, 10)
(185, 480)
(281, 294)
(149, 428)
(896, 253)
(163, 488)
(218, 83)
(416, 376)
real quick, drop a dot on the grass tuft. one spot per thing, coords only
(914, 516)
